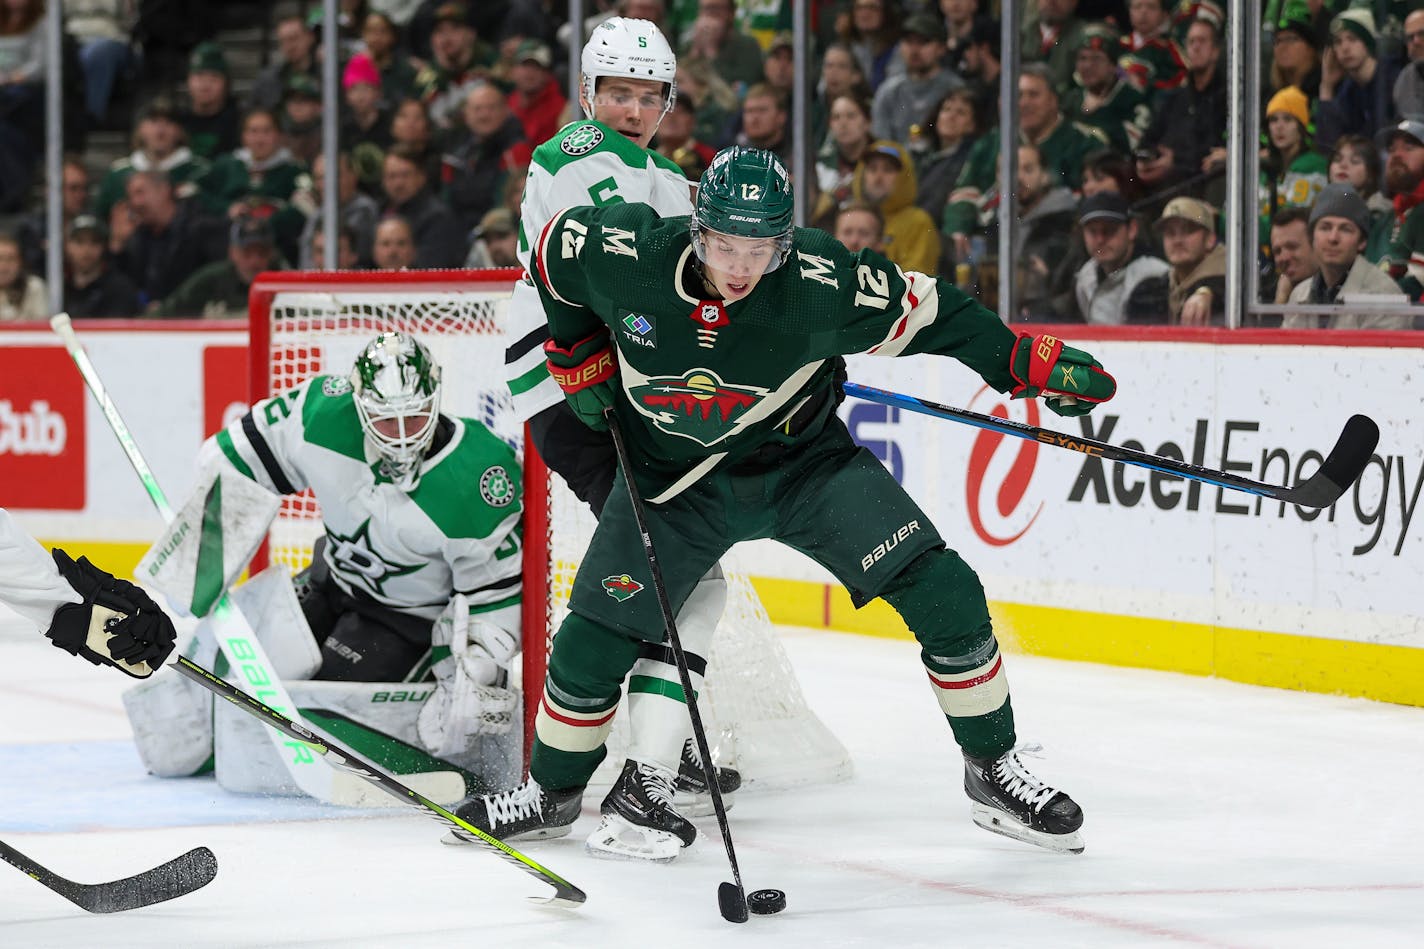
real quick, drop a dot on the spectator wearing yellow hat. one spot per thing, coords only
(1292, 173)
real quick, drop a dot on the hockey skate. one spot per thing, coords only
(639, 822)
(691, 797)
(526, 812)
(1009, 800)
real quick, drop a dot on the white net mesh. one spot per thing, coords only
(757, 718)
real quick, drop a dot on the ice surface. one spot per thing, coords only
(1217, 815)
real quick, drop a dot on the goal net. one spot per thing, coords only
(307, 323)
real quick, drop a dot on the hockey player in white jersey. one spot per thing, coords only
(82, 609)
(627, 85)
(418, 570)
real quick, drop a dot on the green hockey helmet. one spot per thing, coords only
(745, 192)
(396, 383)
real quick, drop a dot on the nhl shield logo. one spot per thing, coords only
(697, 405)
(622, 587)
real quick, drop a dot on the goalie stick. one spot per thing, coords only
(178, 877)
(565, 893)
(1337, 472)
(234, 634)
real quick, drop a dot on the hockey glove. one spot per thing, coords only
(1070, 380)
(468, 700)
(117, 624)
(587, 372)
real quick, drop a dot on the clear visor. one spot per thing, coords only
(739, 256)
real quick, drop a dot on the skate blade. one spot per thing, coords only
(690, 804)
(620, 839)
(455, 839)
(997, 822)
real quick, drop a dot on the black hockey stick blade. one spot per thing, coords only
(1339, 470)
(732, 902)
(565, 893)
(178, 877)
(1341, 467)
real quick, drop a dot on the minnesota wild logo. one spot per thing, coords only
(621, 587)
(581, 140)
(697, 405)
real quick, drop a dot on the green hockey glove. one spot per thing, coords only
(1070, 380)
(587, 372)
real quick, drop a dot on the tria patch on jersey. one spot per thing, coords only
(639, 330)
(622, 587)
(581, 140)
(496, 487)
(697, 405)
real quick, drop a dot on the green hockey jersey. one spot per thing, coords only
(703, 381)
(458, 531)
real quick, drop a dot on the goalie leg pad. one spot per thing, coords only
(270, 604)
(172, 721)
(210, 540)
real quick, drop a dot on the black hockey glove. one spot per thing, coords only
(117, 624)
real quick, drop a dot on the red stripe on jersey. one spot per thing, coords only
(969, 683)
(578, 722)
(543, 243)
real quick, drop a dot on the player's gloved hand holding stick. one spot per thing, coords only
(1067, 378)
(116, 624)
(586, 372)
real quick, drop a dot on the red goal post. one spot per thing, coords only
(303, 323)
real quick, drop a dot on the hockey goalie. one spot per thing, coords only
(400, 636)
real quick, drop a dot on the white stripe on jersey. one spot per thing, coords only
(919, 305)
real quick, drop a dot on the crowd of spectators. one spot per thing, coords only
(1121, 145)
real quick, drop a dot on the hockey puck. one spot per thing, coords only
(766, 902)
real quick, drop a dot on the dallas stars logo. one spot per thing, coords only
(356, 558)
(581, 140)
(698, 405)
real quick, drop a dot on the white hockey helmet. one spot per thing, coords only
(397, 395)
(634, 49)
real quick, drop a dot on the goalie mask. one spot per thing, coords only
(397, 394)
(745, 193)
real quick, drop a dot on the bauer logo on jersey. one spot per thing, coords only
(638, 330)
(622, 587)
(698, 405)
(581, 140)
(335, 385)
(496, 487)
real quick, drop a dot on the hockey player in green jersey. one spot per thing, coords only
(628, 73)
(716, 340)
(418, 570)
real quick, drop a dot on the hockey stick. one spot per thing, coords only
(178, 877)
(235, 637)
(1337, 472)
(565, 893)
(731, 898)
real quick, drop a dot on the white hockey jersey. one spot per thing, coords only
(585, 163)
(458, 531)
(30, 583)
